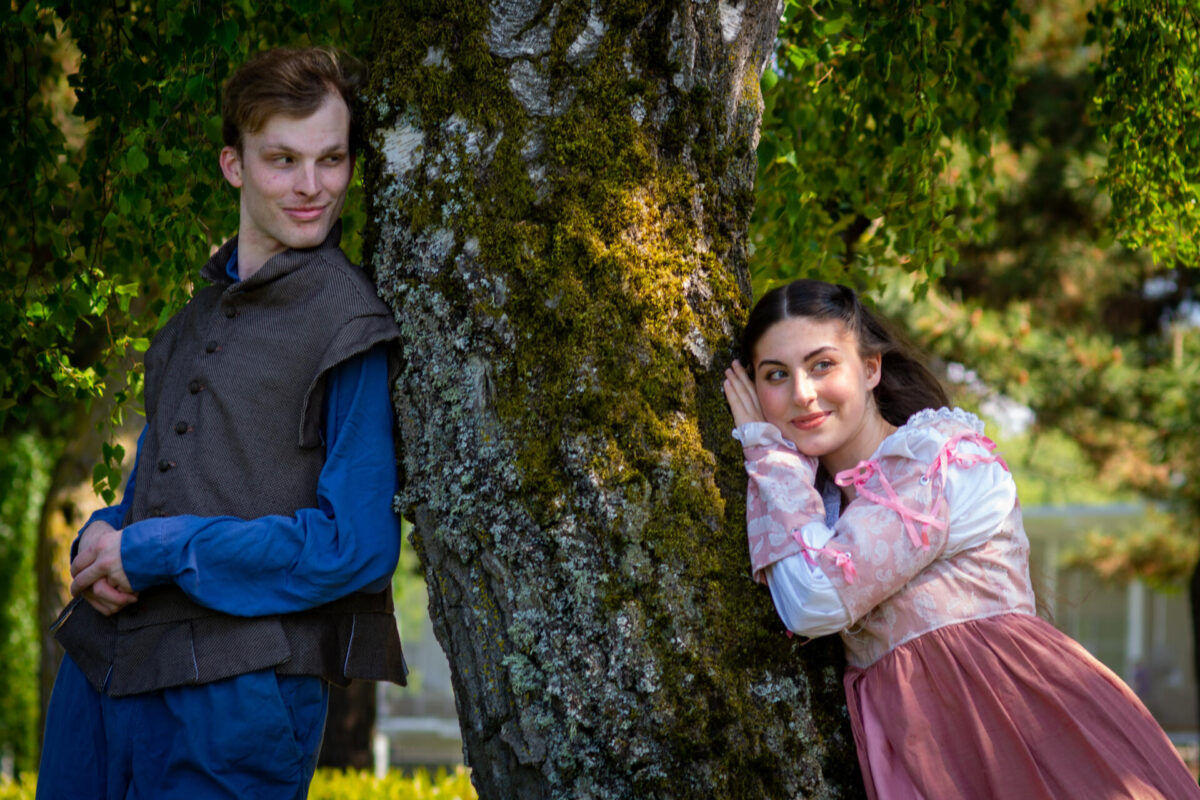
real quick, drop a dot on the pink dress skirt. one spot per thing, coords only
(1006, 707)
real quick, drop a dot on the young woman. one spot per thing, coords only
(877, 513)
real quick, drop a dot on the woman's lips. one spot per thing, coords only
(809, 422)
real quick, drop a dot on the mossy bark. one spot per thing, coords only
(560, 197)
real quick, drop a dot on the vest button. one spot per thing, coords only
(181, 427)
(231, 311)
(211, 347)
(165, 465)
(195, 386)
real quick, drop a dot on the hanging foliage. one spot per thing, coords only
(114, 198)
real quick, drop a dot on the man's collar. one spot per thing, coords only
(281, 263)
(231, 268)
(214, 270)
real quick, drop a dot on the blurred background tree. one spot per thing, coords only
(1016, 182)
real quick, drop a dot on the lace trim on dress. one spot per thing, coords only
(928, 415)
(751, 434)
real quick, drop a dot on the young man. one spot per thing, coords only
(249, 562)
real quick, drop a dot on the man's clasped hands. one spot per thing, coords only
(97, 572)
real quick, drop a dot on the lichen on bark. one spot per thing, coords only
(560, 196)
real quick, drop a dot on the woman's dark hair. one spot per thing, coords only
(906, 385)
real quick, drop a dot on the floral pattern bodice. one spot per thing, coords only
(893, 558)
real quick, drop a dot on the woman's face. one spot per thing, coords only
(816, 389)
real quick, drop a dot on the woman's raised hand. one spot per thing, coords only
(740, 394)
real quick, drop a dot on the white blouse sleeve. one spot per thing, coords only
(804, 596)
(980, 498)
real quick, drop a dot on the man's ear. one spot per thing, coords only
(231, 166)
(874, 365)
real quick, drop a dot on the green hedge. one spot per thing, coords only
(332, 784)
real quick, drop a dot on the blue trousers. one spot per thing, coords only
(251, 736)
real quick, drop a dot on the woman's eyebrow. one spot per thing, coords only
(807, 356)
(820, 350)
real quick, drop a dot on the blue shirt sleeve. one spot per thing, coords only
(278, 564)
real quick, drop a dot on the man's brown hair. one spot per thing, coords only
(289, 81)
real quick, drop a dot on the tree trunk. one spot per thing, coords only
(70, 500)
(57, 524)
(560, 197)
(348, 727)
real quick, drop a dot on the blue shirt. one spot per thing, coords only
(279, 564)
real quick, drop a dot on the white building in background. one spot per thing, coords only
(417, 725)
(1143, 635)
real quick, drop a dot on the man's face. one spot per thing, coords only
(293, 174)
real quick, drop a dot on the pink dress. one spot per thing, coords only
(955, 688)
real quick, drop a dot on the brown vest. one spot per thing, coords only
(234, 389)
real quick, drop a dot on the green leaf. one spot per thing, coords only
(198, 87)
(226, 35)
(136, 160)
(833, 26)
